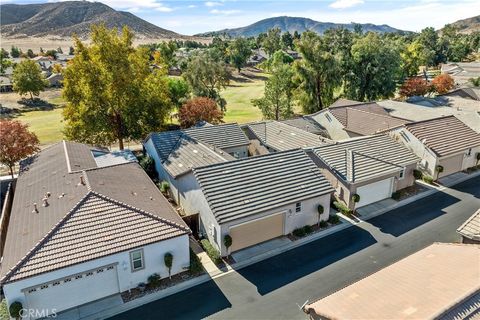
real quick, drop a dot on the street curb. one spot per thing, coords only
(266, 255)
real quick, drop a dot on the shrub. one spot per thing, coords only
(15, 309)
(417, 174)
(195, 263)
(443, 83)
(164, 186)
(415, 86)
(4, 310)
(227, 241)
(148, 164)
(333, 219)
(324, 224)
(308, 229)
(356, 198)
(213, 253)
(168, 259)
(428, 179)
(299, 232)
(154, 280)
(320, 209)
(342, 208)
(396, 195)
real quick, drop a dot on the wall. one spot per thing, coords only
(241, 150)
(153, 259)
(333, 126)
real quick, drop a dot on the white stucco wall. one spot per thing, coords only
(242, 151)
(153, 261)
(332, 125)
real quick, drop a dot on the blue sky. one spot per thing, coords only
(190, 17)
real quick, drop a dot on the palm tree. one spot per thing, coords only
(438, 170)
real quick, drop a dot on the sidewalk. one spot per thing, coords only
(286, 246)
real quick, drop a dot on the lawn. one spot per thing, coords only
(47, 124)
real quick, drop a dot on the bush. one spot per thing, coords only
(299, 233)
(164, 186)
(396, 195)
(428, 179)
(15, 309)
(213, 253)
(417, 174)
(308, 229)
(342, 208)
(320, 209)
(195, 263)
(333, 219)
(4, 310)
(154, 280)
(324, 224)
(415, 86)
(148, 164)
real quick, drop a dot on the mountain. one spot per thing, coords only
(62, 19)
(468, 25)
(293, 24)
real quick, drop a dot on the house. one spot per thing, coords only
(258, 56)
(373, 167)
(175, 154)
(470, 230)
(346, 119)
(86, 225)
(461, 72)
(55, 80)
(438, 282)
(278, 136)
(307, 124)
(260, 198)
(444, 142)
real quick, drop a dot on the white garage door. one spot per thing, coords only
(73, 291)
(374, 192)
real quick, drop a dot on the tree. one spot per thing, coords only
(438, 170)
(206, 76)
(15, 309)
(199, 109)
(71, 51)
(443, 83)
(276, 102)
(228, 241)
(4, 62)
(355, 199)
(167, 52)
(412, 57)
(320, 210)
(51, 53)
(30, 53)
(428, 39)
(317, 73)
(287, 40)
(271, 42)
(59, 50)
(15, 52)
(168, 259)
(374, 70)
(28, 78)
(239, 51)
(16, 143)
(415, 86)
(179, 91)
(111, 93)
(475, 81)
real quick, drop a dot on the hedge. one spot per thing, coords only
(417, 174)
(333, 219)
(196, 266)
(342, 208)
(213, 253)
(427, 179)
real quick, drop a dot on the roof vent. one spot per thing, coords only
(45, 202)
(35, 209)
(82, 181)
(62, 195)
(195, 151)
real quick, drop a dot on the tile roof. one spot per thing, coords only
(245, 187)
(222, 136)
(423, 285)
(186, 153)
(48, 172)
(367, 123)
(340, 112)
(364, 158)
(445, 136)
(105, 158)
(344, 102)
(471, 228)
(282, 137)
(307, 124)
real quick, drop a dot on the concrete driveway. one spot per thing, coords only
(274, 288)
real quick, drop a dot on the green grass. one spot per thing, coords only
(47, 125)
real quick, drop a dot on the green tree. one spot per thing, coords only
(340, 43)
(15, 52)
(167, 52)
(179, 91)
(272, 41)
(71, 51)
(374, 70)
(317, 73)
(30, 53)
(287, 40)
(4, 62)
(59, 50)
(276, 102)
(428, 39)
(413, 56)
(206, 76)
(110, 91)
(228, 241)
(239, 51)
(28, 78)
(168, 259)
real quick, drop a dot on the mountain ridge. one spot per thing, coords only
(292, 24)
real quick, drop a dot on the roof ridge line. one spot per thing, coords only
(100, 168)
(42, 241)
(432, 119)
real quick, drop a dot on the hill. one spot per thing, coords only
(62, 19)
(468, 25)
(293, 24)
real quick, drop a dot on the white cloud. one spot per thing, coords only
(192, 6)
(213, 4)
(342, 4)
(136, 5)
(225, 12)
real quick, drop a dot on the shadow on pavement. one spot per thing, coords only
(273, 273)
(411, 216)
(471, 186)
(195, 303)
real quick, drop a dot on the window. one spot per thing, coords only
(298, 207)
(136, 258)
(402, 173)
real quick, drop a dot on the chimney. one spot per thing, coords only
(35, 209)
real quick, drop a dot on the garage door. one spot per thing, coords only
(451, 165)
(73, 291)
(374, 192)
(253, 232)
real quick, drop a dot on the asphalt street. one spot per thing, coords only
(274, 288)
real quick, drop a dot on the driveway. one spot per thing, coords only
(274, 288)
